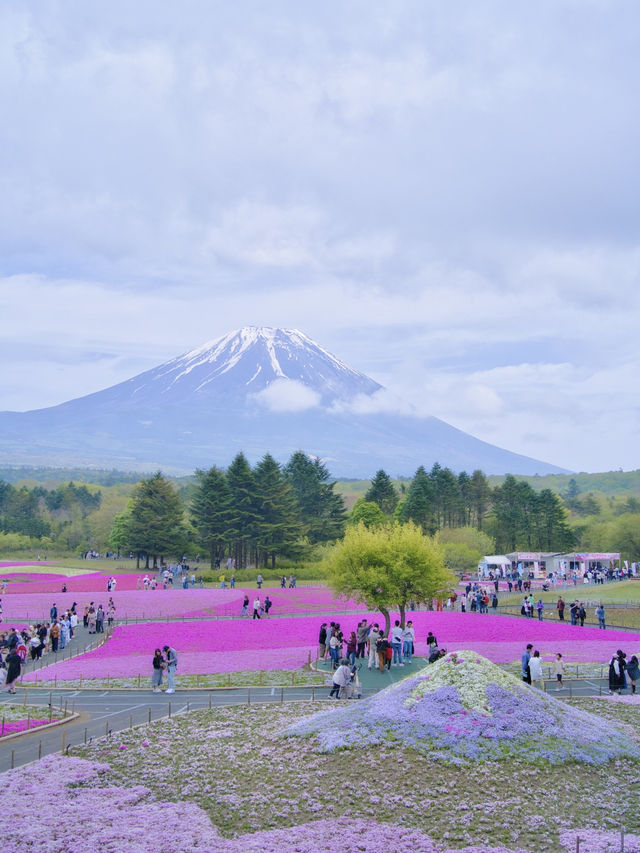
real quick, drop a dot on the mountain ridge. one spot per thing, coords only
(257, 389)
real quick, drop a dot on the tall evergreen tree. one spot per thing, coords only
(382, 492)
(156, 525)
(243, 516)
(418, 504)
(553, 532)
(479, 498)
(211, 512)
(278, 524)
(321, 510)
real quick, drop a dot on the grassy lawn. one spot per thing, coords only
(235, 764)
(623, 592)
(248, 678)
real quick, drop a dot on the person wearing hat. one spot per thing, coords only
(172, 663)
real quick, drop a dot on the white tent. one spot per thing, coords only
(496, 563)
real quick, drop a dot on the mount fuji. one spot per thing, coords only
(257, 390)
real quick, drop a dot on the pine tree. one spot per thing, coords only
(277, 523)
(382, 492)
(211, 512)
(321, 511)
(243, 516)
(156, 523)
(418, 504)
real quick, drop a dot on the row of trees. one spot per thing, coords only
(253, 515)
(257, 514)
(513, 514)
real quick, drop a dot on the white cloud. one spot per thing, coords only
(287, 395)
(444, 198)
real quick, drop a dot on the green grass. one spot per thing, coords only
(242, 678)
(247, 777)
(624, 592)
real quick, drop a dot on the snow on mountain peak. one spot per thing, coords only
(252, 359)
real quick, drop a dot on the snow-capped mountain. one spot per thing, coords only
(244, 364)
(258, 390)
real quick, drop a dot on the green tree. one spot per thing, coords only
(553, 531)
(367, 512)
(156, 525)
(211, 512)
(278, 526)
(479, 498)
(418, 504)
(119, 535)
(243, 517)
(382, 492)
(321, 510)
(387, 567)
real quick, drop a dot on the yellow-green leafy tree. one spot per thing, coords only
(388, 567)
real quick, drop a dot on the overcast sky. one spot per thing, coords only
(443, 194)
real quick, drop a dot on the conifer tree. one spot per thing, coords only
(321, 509)
(211, 512)
(382, 492)
(277, 511)
(156, 524)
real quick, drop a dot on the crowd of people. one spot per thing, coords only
(260, 608)
(620, 669)
(369, 642)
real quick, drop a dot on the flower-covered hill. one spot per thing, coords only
(464, 708)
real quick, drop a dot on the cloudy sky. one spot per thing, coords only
(444, 195)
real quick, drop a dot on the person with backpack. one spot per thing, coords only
(172, 663)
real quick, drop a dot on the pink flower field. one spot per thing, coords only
(30, 601)
(212, 646)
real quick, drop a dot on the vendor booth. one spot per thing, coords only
(497, 565)
(586, 564)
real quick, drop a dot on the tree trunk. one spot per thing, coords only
(387, 620)
(146, 564)
(402, 608)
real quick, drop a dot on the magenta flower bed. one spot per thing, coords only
(211, 646)
(148, 604)
(29, 600)
(12, 727)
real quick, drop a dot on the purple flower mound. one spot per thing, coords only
(66, 805)
(472, 718)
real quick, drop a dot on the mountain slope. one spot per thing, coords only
(257, 390)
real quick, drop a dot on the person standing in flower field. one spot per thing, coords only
(172, 663)
(633, 671)
(159, 665)
(524, 668)
(322, 639)
(535, 670)
(245, 605)
(558, 667)
(256, 608)
(259, 581)
(600, 615)
(408, 638)
(540, 608)
(560, 605)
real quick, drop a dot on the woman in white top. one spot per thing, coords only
(535, 668)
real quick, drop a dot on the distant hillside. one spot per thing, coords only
(611, 483)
